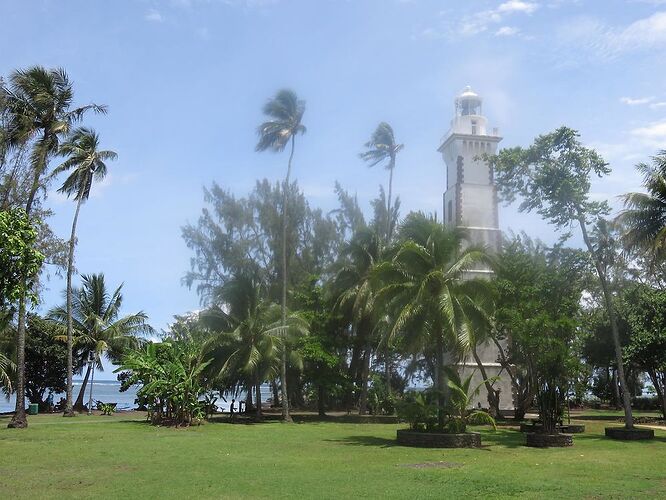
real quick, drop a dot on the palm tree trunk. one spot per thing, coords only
(283, 365)
(365, 375)
(439, 381)
(257, 392)
(608, 299)
(388, 201)
(493, 395)
(69, 411)
(78, 406)
(19, 420)
(276, 393)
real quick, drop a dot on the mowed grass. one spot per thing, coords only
(120, 456)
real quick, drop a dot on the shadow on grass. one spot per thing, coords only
(365, 441)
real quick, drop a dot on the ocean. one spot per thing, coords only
(109, 392)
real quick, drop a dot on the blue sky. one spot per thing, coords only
(185, 81)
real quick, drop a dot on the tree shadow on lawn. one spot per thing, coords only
(365, 441)
(501, 437)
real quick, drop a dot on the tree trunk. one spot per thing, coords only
(286, 417)
(365, 375)
(276, 394)
(439, 381)
(92, 384)
(78, 406)
(248, 400)
(257, 392)
(19, 420)
(493, 395)
(352, 375)
(659, 388)
(616, 389)
(608, 299)
(321, 404)
(69, 412)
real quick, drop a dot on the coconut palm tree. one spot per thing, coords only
(382, 148)
(423, 288)
(645, 214)
(86, 163)
(285, 112)
(37, 106)
(356, 296)
(255, 345)
(98, 329)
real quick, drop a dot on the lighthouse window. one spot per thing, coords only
(473, 127)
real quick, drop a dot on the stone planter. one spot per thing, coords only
(418, 439)
(566, 428)
(634, 434)
(540, 440)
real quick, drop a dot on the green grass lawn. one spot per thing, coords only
(116, 456)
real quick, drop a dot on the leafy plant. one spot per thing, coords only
(460, 402)
(106, 408)
(418, 409)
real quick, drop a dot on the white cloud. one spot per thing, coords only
(481, 21)
(657, 105)
(507, 31)
(518, 6)
(608, 42)
(631, 101)
(653, 134)
(153, 16)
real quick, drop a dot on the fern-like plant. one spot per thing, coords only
(459, 403)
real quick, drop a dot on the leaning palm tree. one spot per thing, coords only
(382, 148)
(86, 163)
(423, 289)
(645, 214)
(98, 329)
(38, 114)
(285, 111)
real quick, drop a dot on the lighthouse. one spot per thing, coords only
(470, 199)
(470, 203)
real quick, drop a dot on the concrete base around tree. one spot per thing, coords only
(541, 440)
(634, 434)
(418, 439)
(566, 428)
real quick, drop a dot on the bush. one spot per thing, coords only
(418, 410)
(645, 403)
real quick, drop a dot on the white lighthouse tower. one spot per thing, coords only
(470, 202)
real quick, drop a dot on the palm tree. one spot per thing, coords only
(285, 111)
(423, 289)
(37, 108)
(87, 164)
(382, 148)
(645, 213)
(255, 345)
(353, 283)
(98, 329)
